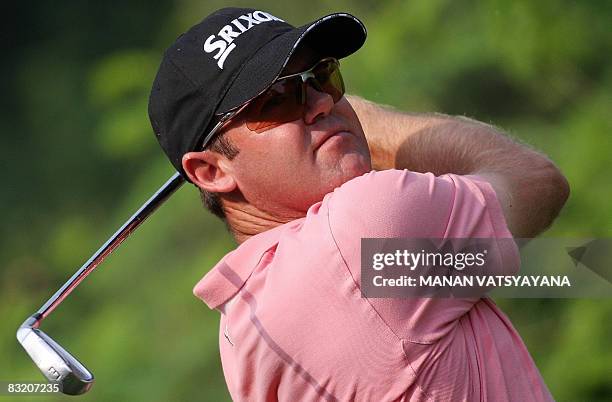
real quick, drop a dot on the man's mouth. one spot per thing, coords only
(329, 135)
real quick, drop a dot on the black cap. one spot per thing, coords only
(226, 60)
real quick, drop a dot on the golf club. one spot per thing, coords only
(55, 362)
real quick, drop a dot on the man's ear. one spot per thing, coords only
(207, 170)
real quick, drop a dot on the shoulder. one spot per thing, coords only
(402, 203)
(390, 202)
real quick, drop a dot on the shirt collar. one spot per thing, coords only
(229, 275)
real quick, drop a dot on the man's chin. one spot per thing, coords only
(355, 166)
(347, 174)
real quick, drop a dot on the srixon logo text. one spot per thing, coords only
(223, 41)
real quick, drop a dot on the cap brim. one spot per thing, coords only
(336, 35)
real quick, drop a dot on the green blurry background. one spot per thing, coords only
(79, 157)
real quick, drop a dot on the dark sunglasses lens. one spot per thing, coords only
(329, 79)
(281, 103)
(284, 101)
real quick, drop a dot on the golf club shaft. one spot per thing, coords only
(107, 248)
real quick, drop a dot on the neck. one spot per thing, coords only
(246, 220)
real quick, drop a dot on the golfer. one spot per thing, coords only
(253, 112)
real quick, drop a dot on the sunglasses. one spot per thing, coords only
(285, 100)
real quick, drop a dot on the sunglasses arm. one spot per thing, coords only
(222, 122)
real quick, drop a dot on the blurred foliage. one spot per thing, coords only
(79, 157)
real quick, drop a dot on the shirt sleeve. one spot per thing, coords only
(405, 204)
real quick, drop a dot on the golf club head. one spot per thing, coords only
(56, 364)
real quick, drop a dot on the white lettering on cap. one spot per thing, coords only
(226, 35)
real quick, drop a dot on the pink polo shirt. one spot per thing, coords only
(294, 326)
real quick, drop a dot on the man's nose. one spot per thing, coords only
(318, 105)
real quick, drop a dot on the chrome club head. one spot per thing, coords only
(56, 364)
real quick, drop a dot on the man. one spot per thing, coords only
(252, 112)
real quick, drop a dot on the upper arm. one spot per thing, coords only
(503, 193)
(529, 202)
